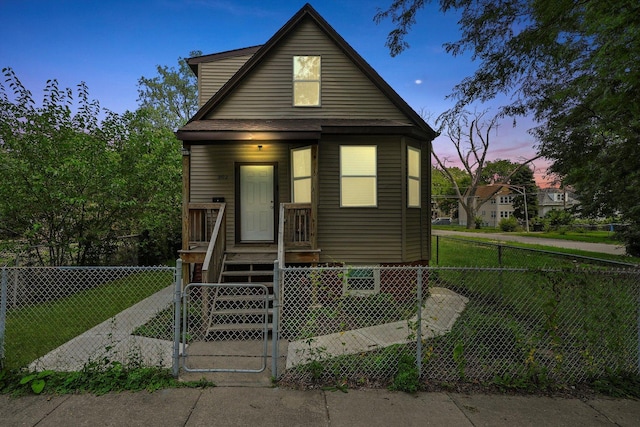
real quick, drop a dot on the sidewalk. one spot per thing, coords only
(252, 406)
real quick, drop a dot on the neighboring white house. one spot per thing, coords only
(500, 205)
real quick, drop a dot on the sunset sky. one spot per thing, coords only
(111, 44)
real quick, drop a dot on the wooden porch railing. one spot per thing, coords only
(202, 221)
(212, 265)
(296, 230)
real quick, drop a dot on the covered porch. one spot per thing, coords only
(206, 249)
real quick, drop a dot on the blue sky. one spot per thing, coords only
(111, 44)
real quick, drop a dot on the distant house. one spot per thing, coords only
(552, 199)
(496, 207)
(500, 205)
(300, 151)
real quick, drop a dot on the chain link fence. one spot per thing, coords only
(63, 318)
(455, 251)
(471, 324)
(355, 323)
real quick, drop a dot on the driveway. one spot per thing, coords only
(602, 248)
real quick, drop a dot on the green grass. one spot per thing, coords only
(461, 251)
(528, 324)
(33, 331)
(577, 235)
(542, 327)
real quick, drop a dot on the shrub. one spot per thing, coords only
(508, 224)
(557, 219)
(478, 221)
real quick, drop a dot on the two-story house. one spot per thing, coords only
(300, 151)
(493, 203)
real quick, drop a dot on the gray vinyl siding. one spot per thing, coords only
(360, 235)
(418, 221)
(345, 91)
(213, 75)
(213, 173)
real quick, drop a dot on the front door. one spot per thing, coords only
(256, 203)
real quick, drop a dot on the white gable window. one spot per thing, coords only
(301, 175)
(358, 176)
(413, 177)
(306, 81)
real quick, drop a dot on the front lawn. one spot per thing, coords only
(34, 330)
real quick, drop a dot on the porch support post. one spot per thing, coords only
(186, 191)
(314, 198)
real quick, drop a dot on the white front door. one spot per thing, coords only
(256, 203)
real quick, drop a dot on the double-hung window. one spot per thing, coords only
(413, 177)
(358, 176)
(306, 81)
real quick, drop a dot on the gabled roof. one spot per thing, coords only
(308, 11)
(491, 190)
(193, 62)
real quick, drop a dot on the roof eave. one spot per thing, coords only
(230, 135)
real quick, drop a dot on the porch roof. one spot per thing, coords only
(274, 129)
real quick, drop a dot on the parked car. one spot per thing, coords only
(441, 221)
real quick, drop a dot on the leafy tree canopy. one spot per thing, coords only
(498, 171)
(570, 64)
(443, 191)
(172, 95)
(72, 183)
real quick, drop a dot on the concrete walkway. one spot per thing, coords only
(112, 339)
(440, 311)
(250, 406)
(602, 248)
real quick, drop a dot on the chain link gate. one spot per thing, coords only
(225, 327)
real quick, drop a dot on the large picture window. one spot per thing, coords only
(413, 177)
(301, 175)
(358, 176)
(306, 81)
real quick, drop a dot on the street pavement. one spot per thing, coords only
(262, 406)
(602, 248)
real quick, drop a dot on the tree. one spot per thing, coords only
(497, 171)
(470, 134)
(167, 102)
(71, 183)
(573, 66)
(524, 181)
(444, 192)
(171, 97)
